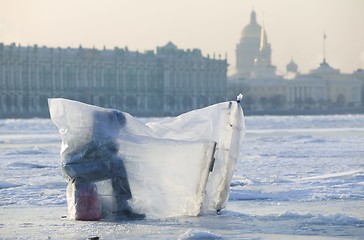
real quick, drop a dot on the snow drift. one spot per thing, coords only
(116, 164)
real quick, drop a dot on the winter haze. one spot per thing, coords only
(295, 28)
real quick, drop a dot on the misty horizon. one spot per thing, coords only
(294, 29)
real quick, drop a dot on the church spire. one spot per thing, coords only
(324, 47)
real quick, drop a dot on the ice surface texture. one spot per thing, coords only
(172, 167)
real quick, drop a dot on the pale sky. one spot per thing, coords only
(294, 27)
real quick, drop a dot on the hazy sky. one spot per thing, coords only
(294, 27)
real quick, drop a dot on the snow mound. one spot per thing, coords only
(4, 184)
(321, 219)
(193, 234)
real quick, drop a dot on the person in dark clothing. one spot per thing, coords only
(98, 160)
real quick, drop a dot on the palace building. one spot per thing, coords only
(168, 81)
(165, 82)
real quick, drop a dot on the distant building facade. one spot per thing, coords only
(322, 88)
(168, 81)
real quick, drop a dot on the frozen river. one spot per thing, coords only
(298, 177)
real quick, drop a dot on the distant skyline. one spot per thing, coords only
(295, 29)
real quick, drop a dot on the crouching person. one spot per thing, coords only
(94, 161)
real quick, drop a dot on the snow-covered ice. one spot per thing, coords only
(298, 177)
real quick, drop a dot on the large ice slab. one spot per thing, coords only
(175, 166)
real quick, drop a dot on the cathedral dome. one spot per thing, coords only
(253, 29)
(292, 66)
(253, 52)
